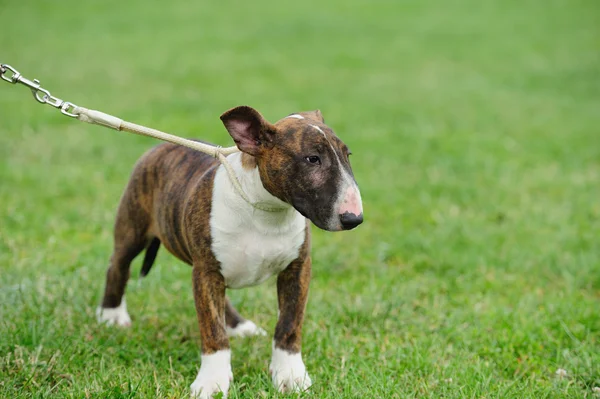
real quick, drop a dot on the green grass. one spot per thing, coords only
(475, 128)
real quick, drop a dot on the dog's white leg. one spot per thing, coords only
(246, 328)
(288, 371)
(214, 376)
(118, 315)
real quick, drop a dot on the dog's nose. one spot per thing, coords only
(350, 220)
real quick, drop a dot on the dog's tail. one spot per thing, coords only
(150, 256)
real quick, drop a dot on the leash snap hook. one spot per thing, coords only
(13, 78)
(40, 94)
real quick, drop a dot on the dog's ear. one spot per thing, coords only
(250, 131)
(314, 115)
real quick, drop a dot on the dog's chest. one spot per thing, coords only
(249, 257)
(251, 245)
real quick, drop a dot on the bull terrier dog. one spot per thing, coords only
(298, 171)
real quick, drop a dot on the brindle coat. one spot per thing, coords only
(168, 200)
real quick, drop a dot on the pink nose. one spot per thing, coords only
(352, 203)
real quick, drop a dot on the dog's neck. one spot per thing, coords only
(247, 173)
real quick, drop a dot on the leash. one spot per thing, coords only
(43, 96)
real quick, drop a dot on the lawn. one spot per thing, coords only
(475, 132)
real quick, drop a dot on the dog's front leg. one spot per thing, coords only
(215, 370)
(287, 368)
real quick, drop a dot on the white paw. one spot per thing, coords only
(118, 315)
(245, 329)
(288, 371)
(214, 376)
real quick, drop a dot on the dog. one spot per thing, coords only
(293, 172)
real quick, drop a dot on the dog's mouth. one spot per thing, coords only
(347, 221)
(300, 204)
(332, 222)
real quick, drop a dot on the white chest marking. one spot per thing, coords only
(251, 245)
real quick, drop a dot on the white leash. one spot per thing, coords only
(43, 96)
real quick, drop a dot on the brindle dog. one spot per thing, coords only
(297, 170)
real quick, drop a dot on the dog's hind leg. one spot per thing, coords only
(237, 326)
(130, 239)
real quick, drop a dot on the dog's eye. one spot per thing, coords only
(313, 159)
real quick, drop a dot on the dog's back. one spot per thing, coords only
(165, 175)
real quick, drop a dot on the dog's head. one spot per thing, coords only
(302, 162)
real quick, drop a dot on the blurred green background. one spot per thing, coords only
(475, 129)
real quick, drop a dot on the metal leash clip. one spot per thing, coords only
(40, 94)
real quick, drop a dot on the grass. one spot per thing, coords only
(474, 128)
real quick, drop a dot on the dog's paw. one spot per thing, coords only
(288, 372)
(214, 376)
(245, 329)
(112, 316)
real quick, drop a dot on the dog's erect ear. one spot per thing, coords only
(314, 115)
(248, 128)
